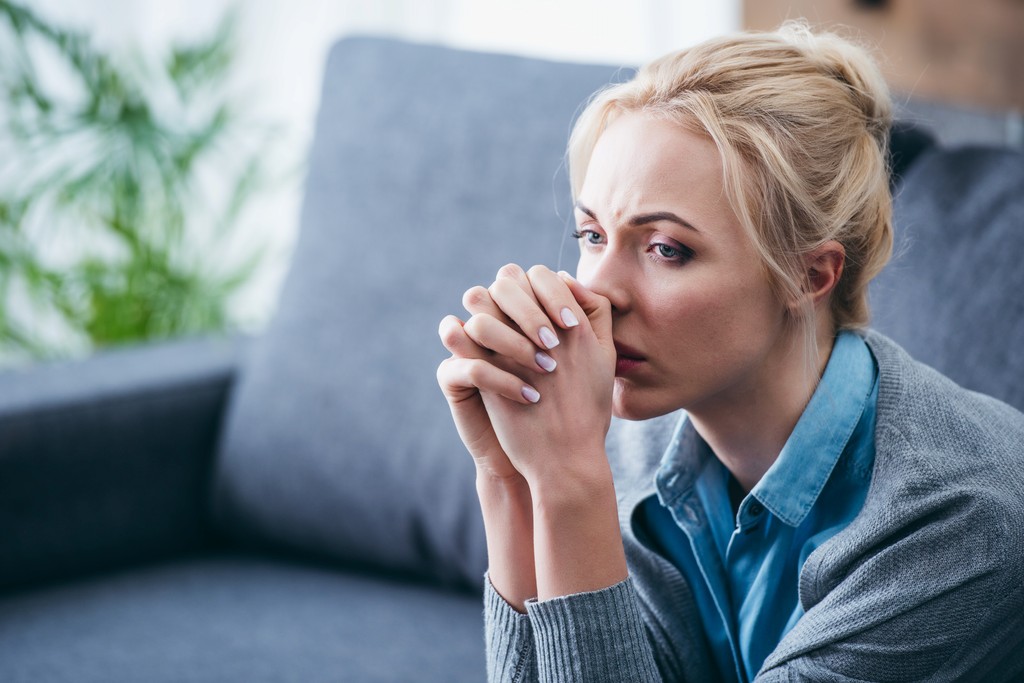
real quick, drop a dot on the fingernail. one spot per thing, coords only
(531, 394)
(569, 318)
(545, 361)
(548, 337)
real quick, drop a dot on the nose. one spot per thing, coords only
(606, 274)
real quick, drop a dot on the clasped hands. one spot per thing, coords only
(530, 378)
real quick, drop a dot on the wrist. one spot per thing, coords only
(577, 538)
(507, 510)
(507, 488)
(573, 496)
(568, 480)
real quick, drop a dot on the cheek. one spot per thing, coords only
(717, 316)
(692, 309)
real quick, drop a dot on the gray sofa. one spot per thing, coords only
(297, 506)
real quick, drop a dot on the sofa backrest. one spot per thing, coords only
(430, 169)
(953, 294)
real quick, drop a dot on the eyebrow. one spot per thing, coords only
(645, 218)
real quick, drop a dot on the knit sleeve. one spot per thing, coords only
(508, 635)
(941, 597)
(595, 636)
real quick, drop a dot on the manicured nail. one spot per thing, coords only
(548, 337)
(569, 318)
(545, 361)
(531, 394)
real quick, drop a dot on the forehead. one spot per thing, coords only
(643, 163)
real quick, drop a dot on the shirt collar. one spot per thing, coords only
(684, 460)
(793, 483)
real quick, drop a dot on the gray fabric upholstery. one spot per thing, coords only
(431, 168)
(230, 618)
(121, 373)
(106, 461)
(952, 294)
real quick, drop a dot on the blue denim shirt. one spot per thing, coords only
(744, 570)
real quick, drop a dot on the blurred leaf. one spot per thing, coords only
(122, 160)
(194, 66)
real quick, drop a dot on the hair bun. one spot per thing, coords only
(852, 65)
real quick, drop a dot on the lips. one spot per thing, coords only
(629, 352)
(627, 359)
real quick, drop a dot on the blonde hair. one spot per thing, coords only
(801, 120)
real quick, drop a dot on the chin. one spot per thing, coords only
(631, 404)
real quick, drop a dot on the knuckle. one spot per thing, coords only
(449, 331)
(497, 287)
(446, 372)
(446, 323)
(442, 371)
(512, 270)
(536, 270)
(450, 339)
(475, 371)
(472, 326)
(481, 320)
(475, 296)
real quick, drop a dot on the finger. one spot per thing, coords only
(489, 333)
(478, 300)
(462, 377)
(524, 310)
(514, 272)
(596, 307)
(555, 296)
(454, 337)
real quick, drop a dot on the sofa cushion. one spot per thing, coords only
(431, 168)
(232, 618)
(952, 293)
(105, 461)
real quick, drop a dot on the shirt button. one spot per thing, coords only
(755, 509)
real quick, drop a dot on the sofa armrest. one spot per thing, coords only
(106, 461)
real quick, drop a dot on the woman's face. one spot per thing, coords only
(694, 319)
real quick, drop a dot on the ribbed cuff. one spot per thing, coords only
(595, 636)
(509, 639)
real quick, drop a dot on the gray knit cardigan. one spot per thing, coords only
(926, 583)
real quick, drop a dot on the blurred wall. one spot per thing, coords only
(284, 44)
(956, 65)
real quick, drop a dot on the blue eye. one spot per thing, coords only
(590, 236)
(674, 254)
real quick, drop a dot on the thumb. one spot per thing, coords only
(597, 307)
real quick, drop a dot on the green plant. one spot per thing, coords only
(110, 164)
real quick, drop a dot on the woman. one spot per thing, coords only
(823, 507)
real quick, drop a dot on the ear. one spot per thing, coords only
(824, 267)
